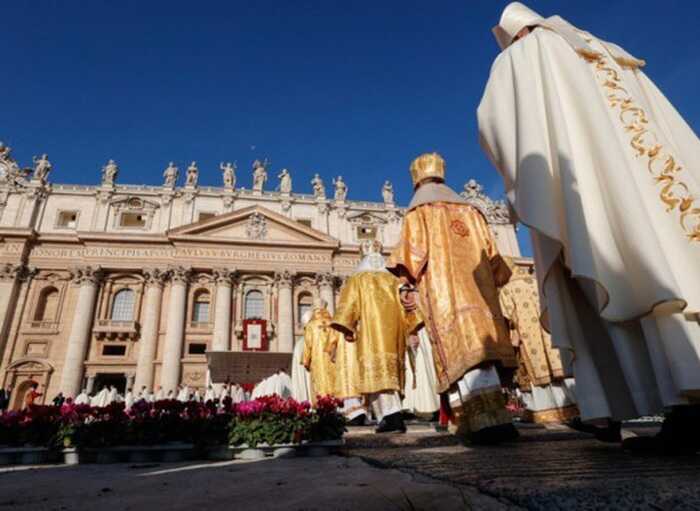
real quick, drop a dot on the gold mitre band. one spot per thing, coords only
(427, 166)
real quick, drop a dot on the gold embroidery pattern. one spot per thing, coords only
(662, 165)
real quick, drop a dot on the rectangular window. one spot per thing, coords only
(197, 348)
(200, 314)
(366, 232)
(205, 215)
(114, 350)
(133, 220)
(67, 219)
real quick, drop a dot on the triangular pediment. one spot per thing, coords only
(254, 224)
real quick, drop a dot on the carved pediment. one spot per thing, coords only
(252, 224)
(134, 204)
(366, 218)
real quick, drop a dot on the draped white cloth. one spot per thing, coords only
(209, 395)
(611, 246)
(237, 394)
(384, 404)
(113, 396)
(160, 394)
(279, 384)
(184, 394)
(548, 397)
(301, 377)
(82, 398)
(101, 398)
(128, 400)
(421, 399)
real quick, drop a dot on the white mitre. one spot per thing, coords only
(515, 17)
(372, 260)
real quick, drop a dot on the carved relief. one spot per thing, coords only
(256, 229)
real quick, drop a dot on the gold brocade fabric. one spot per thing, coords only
(318, 337)
(448, 251)
(370, 308)
(520, 304)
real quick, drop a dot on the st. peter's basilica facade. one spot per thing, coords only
(132, 284)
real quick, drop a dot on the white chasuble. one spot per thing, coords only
(605, 172)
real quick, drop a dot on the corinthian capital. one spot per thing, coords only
(180, 274)
(154, 276)
(10, 271)
(325, 279)
(284, 279)
(224, 276)
(87, 275)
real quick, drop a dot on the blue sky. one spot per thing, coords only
(354, 88)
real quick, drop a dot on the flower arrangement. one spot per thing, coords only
(270, 419)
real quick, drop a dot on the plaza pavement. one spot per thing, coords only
(422, 470)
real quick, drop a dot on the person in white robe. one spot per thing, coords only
(83, 398)
(237, 394)
(301, 377)
(128, 399)
(197, 396)
(113, 396)
(603, 169)
(160, 393)
(183, 394)
(100, 399)
(209, 395)
(420, 396)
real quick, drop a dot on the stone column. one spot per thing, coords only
(222, 315)
(90, 386)
(88, 279)
(285, 307)
(148, 344)
(325, 285)
(10, 275)
(175, 328)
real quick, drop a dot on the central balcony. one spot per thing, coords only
(113, 329)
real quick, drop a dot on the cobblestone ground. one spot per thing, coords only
(545, 469)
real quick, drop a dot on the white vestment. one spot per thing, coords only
(159, 395)
(553, 396)
(584, 141)
(422, 398)
(301, 377)
(128, 400)
(101, 398)
(184, 394)
(82, 399)
(237, 394)
(113, 396)
(209, 395)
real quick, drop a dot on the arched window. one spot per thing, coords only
(123, 305)
(200, 307)
(304, 304)
(47, 306)
(254, 304)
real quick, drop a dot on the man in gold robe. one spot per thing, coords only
(371, 316)
(447, 251)
(318, 340)
(544, 380)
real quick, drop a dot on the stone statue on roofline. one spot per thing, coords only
(228, 171)
(259, 175)
(109, 173)
(170, 175)
(192, 175)
(285, 181)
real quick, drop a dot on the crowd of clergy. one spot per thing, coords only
(605, 173)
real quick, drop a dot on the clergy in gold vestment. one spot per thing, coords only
(447, 251)
(370, 314)
(545, 382)
(318, 341)
(604, 171)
